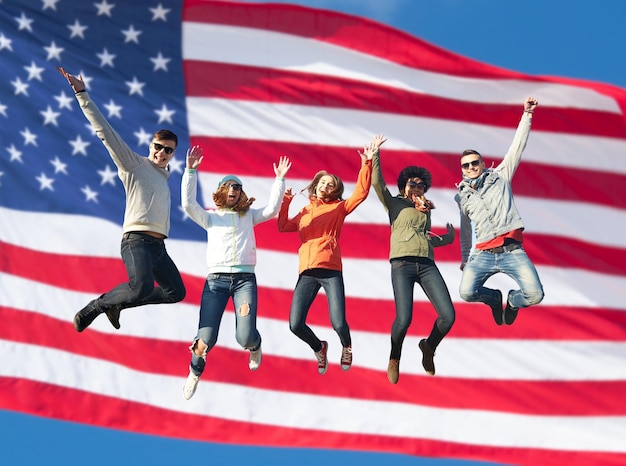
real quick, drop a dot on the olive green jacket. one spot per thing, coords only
(410, 228)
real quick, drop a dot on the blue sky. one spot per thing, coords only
(575, 38)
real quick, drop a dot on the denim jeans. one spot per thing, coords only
(218, 289)
(516, 264)
(309, 283)
(405, 272)
(146, 261)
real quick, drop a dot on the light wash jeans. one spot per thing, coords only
(218, 289)
(516, 264)
(309, 283)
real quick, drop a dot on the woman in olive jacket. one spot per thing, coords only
(412, 261)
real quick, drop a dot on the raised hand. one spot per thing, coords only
(372, 148)
(530, 104)
(194, 157)
(283, 167)
(77, 83)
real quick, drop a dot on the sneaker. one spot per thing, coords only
(393, 371)
(510, 313)
(427, 357)
(86, 316)
(496, 309)
(113, 315)
(346, 358)
(190, 385)
(322, 360)
(255, 359)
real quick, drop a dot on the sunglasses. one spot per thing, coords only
(413, 184)
(158, 147)
(473, 163)
(235, 186)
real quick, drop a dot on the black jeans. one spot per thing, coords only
(405, 272)
(146, 261)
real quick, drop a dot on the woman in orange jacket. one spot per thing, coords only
(319, 226)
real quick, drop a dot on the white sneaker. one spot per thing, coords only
(190, 385)
(255, 359)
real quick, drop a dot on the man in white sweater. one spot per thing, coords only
(146, 219)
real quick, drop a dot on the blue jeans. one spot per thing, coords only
(516, 264)
(218, 289)
(309, 283)
(146, 261)
(405, 272)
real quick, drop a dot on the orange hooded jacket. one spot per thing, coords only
(319, 224)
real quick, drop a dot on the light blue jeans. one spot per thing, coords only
(516, 264)
(309, 283)
(218, 289)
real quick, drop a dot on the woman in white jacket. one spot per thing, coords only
(231, 258)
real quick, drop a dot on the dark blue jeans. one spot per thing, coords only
(405, 272)
(309, 283)
(146, 261)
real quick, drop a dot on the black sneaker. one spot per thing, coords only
(427, 357)
(113, 315)
(496, 309)
(510, 313)
(86, 316)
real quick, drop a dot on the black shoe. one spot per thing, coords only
(113, 315)
(510, 313)
(496, 309)
(86, 316)
(427, 357)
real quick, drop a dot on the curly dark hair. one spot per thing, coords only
(220, 197)
(335, 194)
(414, 172)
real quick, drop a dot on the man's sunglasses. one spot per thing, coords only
(158, 147)
(413, 184)
(473, 163)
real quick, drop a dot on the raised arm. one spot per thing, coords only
(123, 156)
(378, 182)
(511, 160)
(276, 192)
(364, 180)
(189, 188)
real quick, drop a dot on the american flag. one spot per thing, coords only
(252, 82)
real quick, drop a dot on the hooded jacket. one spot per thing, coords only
(319, 224)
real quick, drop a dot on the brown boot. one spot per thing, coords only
(393, 371)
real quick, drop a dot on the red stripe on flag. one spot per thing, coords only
(78, 406)
(590, 398)
(545, 181)
(251, 83)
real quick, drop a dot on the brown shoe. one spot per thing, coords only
(427, 357)
(393, 371)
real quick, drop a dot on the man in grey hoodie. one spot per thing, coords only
(146, 219)
(485, 200)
